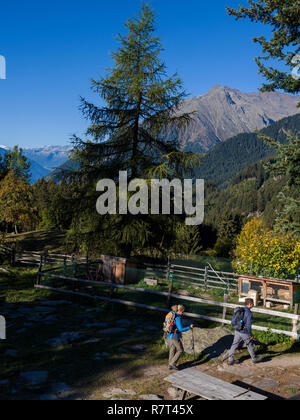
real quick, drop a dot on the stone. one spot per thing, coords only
(97, 325)
(15, 316)
(56, 302)
(48, 397)
(64, 339)
(50, 319)
(149, 328)
(150, 397)
(174, 393)
(25, 310)
(267, 383)
(293, 380)
(139, 347)
(4, 383)
(92, 341)
(34, 377)
(11, 353)
(237, 370)
(113, 331)
(183, 292)
(124, 323)
(151, 282)
(43, 309)
(55, 343)
(214, 342)
(62, 390)
(118, 391)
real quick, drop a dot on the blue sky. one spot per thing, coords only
(52, 49)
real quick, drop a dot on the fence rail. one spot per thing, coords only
(295, 318)
(36, 258)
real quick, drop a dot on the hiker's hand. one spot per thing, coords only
(251, 338)
(192, 326)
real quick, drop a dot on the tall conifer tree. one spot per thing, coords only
(141, 101)
(125, 134)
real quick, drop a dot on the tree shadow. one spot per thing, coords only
(269, 395)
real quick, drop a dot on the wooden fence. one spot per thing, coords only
(37, 258)
(206, 278)
(294, 318)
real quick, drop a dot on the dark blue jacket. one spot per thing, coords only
(248, 322)
(180, 329)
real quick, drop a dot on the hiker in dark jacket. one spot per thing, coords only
(245, 335)
(174, 339)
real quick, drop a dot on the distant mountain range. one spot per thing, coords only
(44, 159)
(49, 157)
(223, 112)
(219, 115)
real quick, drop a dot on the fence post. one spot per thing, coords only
(225, 308)
(65, 265)
(87, 267)
(170, 290)
(38, 281)
(13, 256)
(205, 277)
(295, 322)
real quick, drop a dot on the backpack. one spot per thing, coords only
(238, 319)
(169, 326)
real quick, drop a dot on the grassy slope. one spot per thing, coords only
(75, 364)
(41, 240)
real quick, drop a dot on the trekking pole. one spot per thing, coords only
(193, 340)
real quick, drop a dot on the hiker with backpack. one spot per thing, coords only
(173, 328)
(242, 323)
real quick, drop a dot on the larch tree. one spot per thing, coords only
(126, 134)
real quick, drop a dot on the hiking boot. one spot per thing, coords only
(233, 362)
(257, 360)
(173, 367)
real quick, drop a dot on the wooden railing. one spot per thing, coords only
(294, 318)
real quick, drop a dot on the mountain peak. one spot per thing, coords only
(224, 112)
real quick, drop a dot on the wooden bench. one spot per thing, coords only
(194, 382)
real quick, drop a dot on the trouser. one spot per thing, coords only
(176, 350)
(238, 339)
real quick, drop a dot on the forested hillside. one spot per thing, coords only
(230, 157)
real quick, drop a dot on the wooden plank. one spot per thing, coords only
(250, 396)
(208, 387)
(187, 267)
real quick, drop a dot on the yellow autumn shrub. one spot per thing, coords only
(266, 252)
